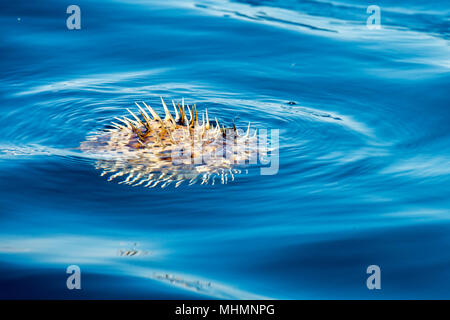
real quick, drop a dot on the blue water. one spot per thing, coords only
(364, 168)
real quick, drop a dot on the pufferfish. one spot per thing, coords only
(145, 149)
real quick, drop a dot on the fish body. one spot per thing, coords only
(146, 149)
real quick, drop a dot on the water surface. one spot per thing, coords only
(364, 169)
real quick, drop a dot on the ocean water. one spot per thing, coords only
(364, 157)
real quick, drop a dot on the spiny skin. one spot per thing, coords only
(149, 150)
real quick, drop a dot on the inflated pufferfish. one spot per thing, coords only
(149, 150)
